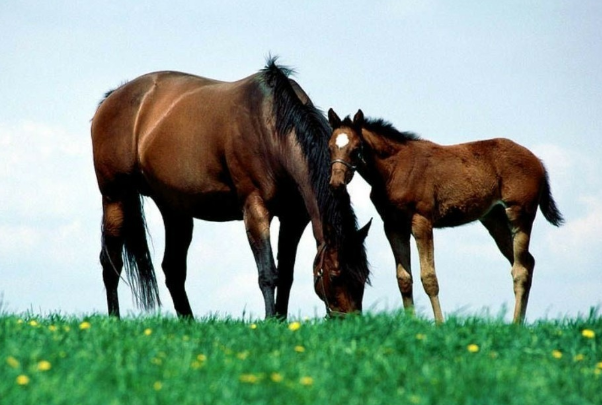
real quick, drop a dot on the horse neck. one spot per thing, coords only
(378, 151)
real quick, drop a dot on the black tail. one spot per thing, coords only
(136, 256)
(547, 205)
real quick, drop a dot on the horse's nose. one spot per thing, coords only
(337, 179)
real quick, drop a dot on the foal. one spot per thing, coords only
(418, 185)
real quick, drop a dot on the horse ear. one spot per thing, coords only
(333, 119)
(363, 232)
(358, 118)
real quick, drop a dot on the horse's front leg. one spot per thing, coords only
(422, 229)
(257, 220)
(291, 230)
(398, 235)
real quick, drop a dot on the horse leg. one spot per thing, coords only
(291, 230)
(178, 235)
(422, 229)
(498, 226)
(524, 263)
(400, 244)
(257, 220)
(111, 253)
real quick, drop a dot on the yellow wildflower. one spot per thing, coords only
(243, 355)
(306, 381)
(557, 354)
(33, 323)
(579, 357)
(12, 362)
(52, 328)
(249, 378)
(588, 333)
(148, 332)
(44, 365)
(420, 336)
(294, 326)
(253, 326)
(22, 379)
(473, 348)
(276, 377)
(299, 349)
(201, 357)
(157, 385)
(85, 325)
(599, 365)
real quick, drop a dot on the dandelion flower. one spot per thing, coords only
(306, 381)
(299, 349)
(420, 336)
(473, 348)
(579, 357)
(276, 377)
(557, 354)
(253, 326)
(33, 323)
(201, 357)
(22, 379)
(599, 365)
(148, 332)
(588, 333)
(249, 378)
(294, 326)
(12, 362)
(52, 328)
(158, 385)
(44, 365)
(85, 325)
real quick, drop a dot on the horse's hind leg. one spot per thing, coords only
(422, 229)
(291, 230)
(111, 257)
(498, 226)
(398, 235)
(521, 221)
(178, 235)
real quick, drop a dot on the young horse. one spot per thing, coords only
(418, 185)
(200, 148)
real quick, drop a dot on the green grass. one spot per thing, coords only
(375, 359)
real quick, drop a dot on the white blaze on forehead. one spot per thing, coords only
(342, 140)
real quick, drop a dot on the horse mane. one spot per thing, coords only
(385, 129)
(313, 131)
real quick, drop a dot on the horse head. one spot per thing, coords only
(341, 291)
(346, 148)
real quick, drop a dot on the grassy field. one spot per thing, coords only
(376, 359)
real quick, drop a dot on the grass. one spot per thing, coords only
(373, 359)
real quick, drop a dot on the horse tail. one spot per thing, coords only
(137, 258)
(547, 205)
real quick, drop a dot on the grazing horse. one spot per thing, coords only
(418, 185)
(222, 151)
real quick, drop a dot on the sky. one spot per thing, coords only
(454, 72)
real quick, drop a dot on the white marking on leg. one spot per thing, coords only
(342, 140)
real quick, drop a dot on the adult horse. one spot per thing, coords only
(221, 151)
(418, 185)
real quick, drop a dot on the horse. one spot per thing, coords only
(250, 150)
(418, 185)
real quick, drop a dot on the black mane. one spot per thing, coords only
(384, 128)
(313, 131)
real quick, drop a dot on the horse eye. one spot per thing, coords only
(356, 154)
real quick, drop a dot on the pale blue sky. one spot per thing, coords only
(452, 72)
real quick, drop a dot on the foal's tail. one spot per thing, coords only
(548, 205)
(137, 258)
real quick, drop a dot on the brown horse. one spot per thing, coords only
(419, 185)
(218, 151)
